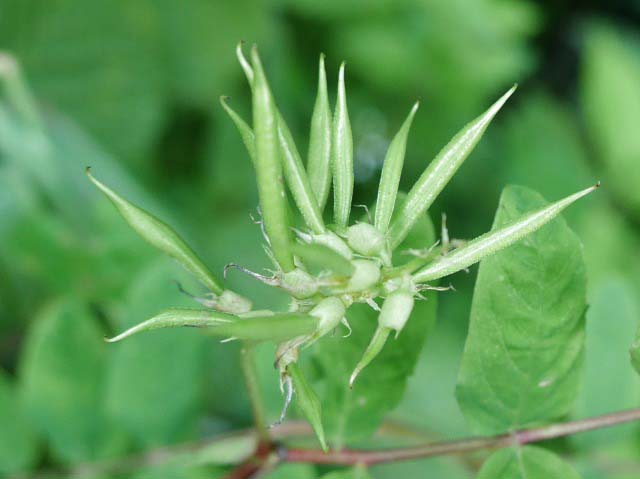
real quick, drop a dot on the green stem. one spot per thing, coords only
(247, 363)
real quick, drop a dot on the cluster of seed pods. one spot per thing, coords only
(326, 267)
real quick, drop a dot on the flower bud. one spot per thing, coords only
(396, 310)
(299, 284)
(330, 312)
(365, 275)
(230, 302)
(365, 239)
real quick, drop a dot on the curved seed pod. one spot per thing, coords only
(365, 239)
(366, 275)
(248, 138)
(294, 171)
(308, 402)
(391, 171)
(297, 180)
(493, 241)
(440, 171)
(319, 158)
(373, 349)
(322, 257)
(268, 167)
(266, 327)
(161, 236)
(342, 156)
(246, 67)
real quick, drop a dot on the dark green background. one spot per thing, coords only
(131, 88)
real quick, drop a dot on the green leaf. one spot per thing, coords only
(610, 94)
(612, 296)
(523, 354)
(161, 236)
(357, 472)
(391, 171)
(297, 180)
(319, 158)
(308, 402)
(489, 243)
(18, 441)
(248, 138)
(269, 169)
(292, 471)
(155, 388)
(121, 99)
(351, 415)
(440, 171)
(62, 371)
(528, 462)
(323, 258)
(341, 156)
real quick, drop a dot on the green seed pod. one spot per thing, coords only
(373, 349)
(366, 274)
(396, 310)
(330, 312)
(365, 239)
(230, 302)
(266, 327)
(299, 284)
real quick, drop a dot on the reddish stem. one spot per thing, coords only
(350, 457)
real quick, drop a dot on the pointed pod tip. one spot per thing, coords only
(115, 339)
(341, 71)
(353, 377)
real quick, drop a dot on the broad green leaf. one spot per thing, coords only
(489, 243)
(198, 38)
(161, 236)
(322, 258)
(440, 171)
(248, 138)
(528, 462)
(610, 94)
(266, 327)
(319, 157)
(121, 98)
(269, 169)
(292, 471)
(524, 351)
(154, 388)
(308, 402)
(391, 171)
(357, 472)
(612, 296)
(351, 415)
(18, 441)
(62, 372)
(297, 180)
(341, 156)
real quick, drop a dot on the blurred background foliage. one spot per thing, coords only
(131, 88)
